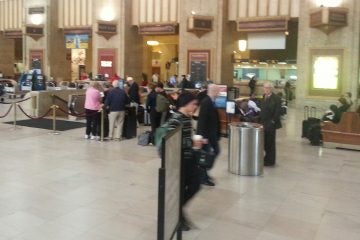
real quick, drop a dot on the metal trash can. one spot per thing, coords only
(246, 149)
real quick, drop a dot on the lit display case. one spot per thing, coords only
(326, 72)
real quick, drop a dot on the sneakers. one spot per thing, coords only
(87, 136)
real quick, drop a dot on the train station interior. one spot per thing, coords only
(55, 184)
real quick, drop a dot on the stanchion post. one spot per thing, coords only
(54, 107)
(102, 125)
(15, 115)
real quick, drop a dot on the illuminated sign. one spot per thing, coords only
(326, 72)
(106, 63)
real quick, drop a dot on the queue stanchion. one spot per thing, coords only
(14, 104)
(102, 125)
(54, 107)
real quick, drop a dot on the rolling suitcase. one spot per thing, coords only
(147, 118)
(309, 120)
(130, 123)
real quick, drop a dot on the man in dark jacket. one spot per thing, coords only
(115, 103)
(150, 107)
(133, 90)
(252, 85)
(270, 119)
(209, 124)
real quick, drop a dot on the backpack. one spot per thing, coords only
(162, 103)
(144, 138)
(164, 129)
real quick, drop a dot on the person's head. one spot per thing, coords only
(348, 94)
(213, 90)
(159, 87)
(268, 88)
(203, 87)
(95, 84)
(130, 80)
(174, 95)
(151, 86)
(333, 108)
(115, 83)
(187, 103)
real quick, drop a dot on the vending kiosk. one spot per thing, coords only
(25, 82)
(38, 82)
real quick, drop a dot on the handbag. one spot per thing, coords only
(206, 157)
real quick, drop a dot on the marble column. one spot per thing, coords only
(7, 55)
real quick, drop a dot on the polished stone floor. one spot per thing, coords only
(62, 187)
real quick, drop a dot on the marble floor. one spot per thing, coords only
(62, 187)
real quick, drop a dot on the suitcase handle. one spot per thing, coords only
(306, 112)
(313, 112)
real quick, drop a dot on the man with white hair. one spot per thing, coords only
(209, 124)
(133, 90)
(270, 119)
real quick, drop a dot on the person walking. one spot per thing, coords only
(208, 125)
(270, 119)
(191, 172)
(252, 85)
(93, 104)
(115, 103)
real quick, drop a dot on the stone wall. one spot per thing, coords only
(7, 56)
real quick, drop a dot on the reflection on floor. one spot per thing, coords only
(59, 187)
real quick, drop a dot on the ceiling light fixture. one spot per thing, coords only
(152, 43)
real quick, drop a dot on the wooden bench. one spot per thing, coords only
(345, 134)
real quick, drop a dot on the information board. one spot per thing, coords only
(199, 65)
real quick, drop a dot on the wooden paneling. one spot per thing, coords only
(262, 8)
(75, 13)
(155, 12)
(11, 15)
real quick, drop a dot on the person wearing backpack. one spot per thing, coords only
(162, 102)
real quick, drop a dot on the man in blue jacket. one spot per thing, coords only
(115, 102)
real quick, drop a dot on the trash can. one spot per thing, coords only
(246, 149)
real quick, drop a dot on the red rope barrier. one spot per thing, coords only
(77, 115)
(35, 118)
(7, 113)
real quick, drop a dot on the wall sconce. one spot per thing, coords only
(37, 19)
(107, 14)
(152, 43)
(242, 45)
(329, 19)
(328, 3)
